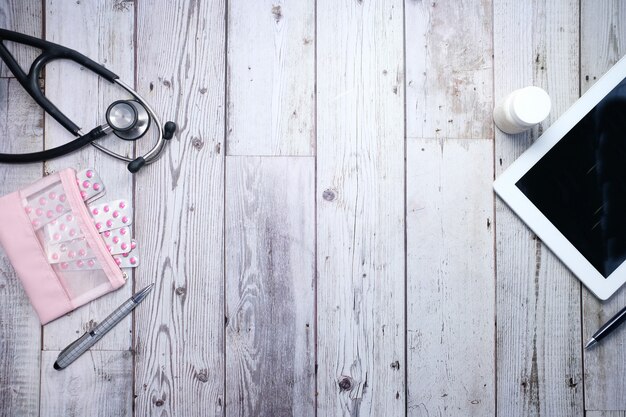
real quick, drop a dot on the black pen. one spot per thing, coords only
(82, 344)
(607, 328)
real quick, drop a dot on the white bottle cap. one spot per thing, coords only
(529, 106)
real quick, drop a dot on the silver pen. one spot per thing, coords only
(82, 344)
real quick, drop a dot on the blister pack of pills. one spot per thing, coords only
(66, 252)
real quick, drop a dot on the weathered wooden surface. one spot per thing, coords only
(360, 208)
(270, 286)
(314, 271)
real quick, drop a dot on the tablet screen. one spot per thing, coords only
(580, 184)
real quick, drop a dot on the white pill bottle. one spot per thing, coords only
(522, 109)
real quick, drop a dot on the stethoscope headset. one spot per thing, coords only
(126, 119)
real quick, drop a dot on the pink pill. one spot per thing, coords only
(62, 198)
(80, 263)
(62, 226)
(56, 236)
(109, 223)
(107, 233)
(118, 261)
(59, 208)
(49, 214)
(116, 214)
(86, 184)
(52, 195)
(96, 186)
(125, 255)
(116, 239)
(91, 262)
(72, 232)
(42, 201)
(64, 265)
(98, 226)
(83, 194)
(133, 261)
(95, 212)
(71, 254)
(122, 204)
(39, 212)
(82, 252)
(124, 219)
(123, 246)
(108, 248)
(106, 209)
(89, 174)
(133, 244)
(69, 218)
(122, 232)
(28, 209)
(35, 224)
(55, 256)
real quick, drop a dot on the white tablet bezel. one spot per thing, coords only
(505, 187)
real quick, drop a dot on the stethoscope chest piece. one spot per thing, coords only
(128, 119)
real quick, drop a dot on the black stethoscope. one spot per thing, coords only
(126, 119)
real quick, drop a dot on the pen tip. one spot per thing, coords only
(57, 367)
(591, 343)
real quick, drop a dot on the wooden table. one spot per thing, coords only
(322, 230)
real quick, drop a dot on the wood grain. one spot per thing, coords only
(22, 16)
(179, 336)
(90, 28)
(605, 414)
(450, 286)
(538, 346)
(20, 332)
(603, 35)
(270, 277)
(449, 68)
(271, 77)
(360, 208)
(96, 384)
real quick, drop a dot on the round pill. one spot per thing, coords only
(98, 226)
(108, 248)
(123, 246)
(117, 261)
(96, 186)
(83, 194)
(125, 255)
(95, 212)
(109, 223)
(116, 239)
(86, 184)
(64, 265)
(35, 224)
(28, 209)
(49, 214)
(116, 214)
(39, 212)
(82, 252)
(91, 262)
(62, 226)
(133, 260)
(69, 218)
(56, 236)
(59, 208)
(52, 195)
(124, 219)
(71, 254)
(80, 263)
(122, 204)
(107, 233)
(133, 244)
(62, 198)
(122, 232)
(42, 201)
(106, 209)
(72, 232)
(89, 174)
(55, 256)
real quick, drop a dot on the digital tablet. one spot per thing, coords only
(569, 187)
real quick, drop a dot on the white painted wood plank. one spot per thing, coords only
(24, 17)
(450, 285)
(270, 283)
(605, 414)
(538, 301)
(271, 77)
(21, 123)
(97, 384)
(449, 69)
(603, 35)
(179, 335)
(102, 31)
(360, 189)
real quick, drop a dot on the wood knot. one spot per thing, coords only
(197, 143)
(395, 365)
(329, 195)
(159, 402)
(180, 291)
(202, 377)
(345, 383)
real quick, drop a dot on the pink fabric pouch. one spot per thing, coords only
(56, 279)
